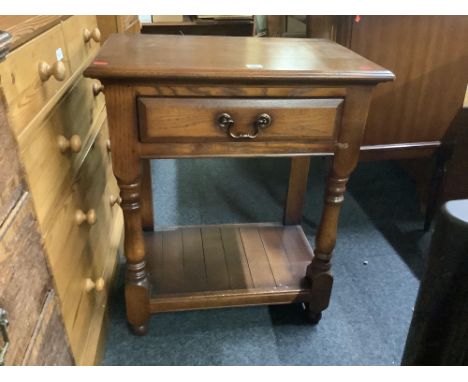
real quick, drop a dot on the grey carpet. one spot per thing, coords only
(377, 262)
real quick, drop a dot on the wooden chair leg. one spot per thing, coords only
(297, 188)
(147, 220)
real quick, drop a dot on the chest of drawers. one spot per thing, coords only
(191, 97)
(60, 123)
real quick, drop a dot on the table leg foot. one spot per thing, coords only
(313, 317)
(137, 298)
(139, 330)
(321, 282)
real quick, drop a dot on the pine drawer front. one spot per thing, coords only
(32, 74)
(72, 255)
(81, 264)
(95, 275)
(92, 184)
(83, 39)
(201, 119)
(53, 151)
(80, 110)
(85, 295)
(65, 242)
(97, 326)
(113, 189)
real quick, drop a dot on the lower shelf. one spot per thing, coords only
(227, 265)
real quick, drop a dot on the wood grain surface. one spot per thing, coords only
(195, 119)
(49, 345)
(25, 28)
(233, 260)
(234, 58)
(24, 277)
(11, 181)
(23, 90)
(429, 56)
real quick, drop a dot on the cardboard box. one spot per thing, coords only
(168, 19)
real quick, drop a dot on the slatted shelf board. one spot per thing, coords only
(198, 267)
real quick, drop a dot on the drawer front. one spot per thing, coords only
(93, 184)
(86, 298)
(50, 165)
(198, 119)
(80, 109)
(77, 245)
(112, 186)
(83, 41)
(25, 91)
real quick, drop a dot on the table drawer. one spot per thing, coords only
(83, 39)
(201, 119)
(26, 90)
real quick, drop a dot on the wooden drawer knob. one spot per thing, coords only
(57, 70)
(97, 88)
(89, 217)
(115, 200)
(95, 34)
(108, 146)
(98, 285)
(73, 144)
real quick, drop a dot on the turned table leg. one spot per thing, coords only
(319, 271)
(146, 196)
(345, 159)
(127, 166)
(136, 278)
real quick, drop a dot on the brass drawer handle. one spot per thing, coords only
(97, 88)
(95, 34)
(57, 70)
(226, 122)
(263, 121)
(97, 285)
(115, 200)
(88, 217)
(73, 144)
(4, 332)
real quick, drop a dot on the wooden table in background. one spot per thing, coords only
(210, 27)
(232, 97)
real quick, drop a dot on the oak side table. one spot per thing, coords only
(204, 96)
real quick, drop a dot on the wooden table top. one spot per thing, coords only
(136, 56)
